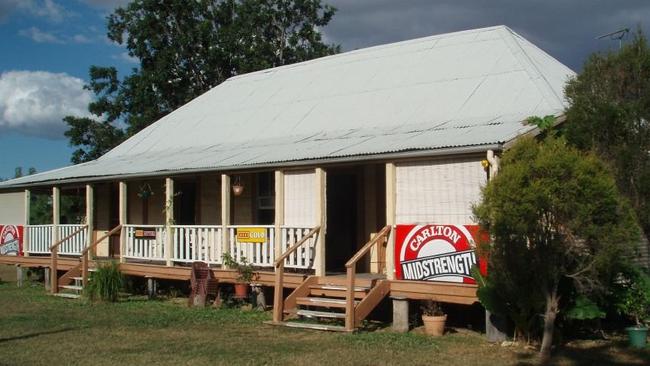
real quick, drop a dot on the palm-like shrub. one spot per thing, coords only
(105, 283)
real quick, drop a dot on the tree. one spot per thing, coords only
(184, 49)
(609, 113)
(557, 225)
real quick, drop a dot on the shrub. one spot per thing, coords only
(105, 283)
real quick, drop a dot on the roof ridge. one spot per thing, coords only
(517, 38)
(368, 49)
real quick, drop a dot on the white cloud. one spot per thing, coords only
(35, 102)
(125, 57)
(47, 9)
(40, 36)
(107, 4)
(80, 38)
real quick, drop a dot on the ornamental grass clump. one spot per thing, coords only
(105, 283)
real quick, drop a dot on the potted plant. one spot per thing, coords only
(245, 274)
(635, 304)
(433, 318)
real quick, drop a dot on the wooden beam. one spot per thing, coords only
(225, 213)
(321, 220)
(28, 197)
(391, 211)
(123, 218)
(279, 211)
(90, 215)
(169, 221)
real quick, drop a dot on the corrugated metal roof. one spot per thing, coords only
(452, 90)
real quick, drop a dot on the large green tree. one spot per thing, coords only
(558, 226)
(610, 113)
(184, 48)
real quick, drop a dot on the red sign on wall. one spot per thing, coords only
(11, 240)
(444, 253)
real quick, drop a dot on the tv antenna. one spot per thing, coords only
(616, 35)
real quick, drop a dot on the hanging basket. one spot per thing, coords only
(237, 189)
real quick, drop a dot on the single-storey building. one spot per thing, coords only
(347, 178)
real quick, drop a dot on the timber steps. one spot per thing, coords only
(322, 300)
(74, 290)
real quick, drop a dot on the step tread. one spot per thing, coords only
(320, 314)
(339, 287)
(72, 287)
(67, 295)
(322, 301)
(80, 278)
(326, 327)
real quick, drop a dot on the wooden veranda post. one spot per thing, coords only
(28, 197)
(391, 203)
(321, 220)
(90, 215)
(56, 212)
(225, 212)
(279, 212)
(122, 217)
(169, 221)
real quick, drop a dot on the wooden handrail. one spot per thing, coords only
(361, 252)
(58, 243)
(85, 254)
(278, 298)
(294, 247)
(96, 242)
(54, 258)
(351, 268)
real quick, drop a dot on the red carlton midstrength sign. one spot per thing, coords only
(444, 253)
(11, 240)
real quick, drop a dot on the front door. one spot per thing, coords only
(342, 219)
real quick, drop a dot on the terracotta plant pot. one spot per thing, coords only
(241, 290)
(434, 325)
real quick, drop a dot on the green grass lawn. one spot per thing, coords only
(38, 329)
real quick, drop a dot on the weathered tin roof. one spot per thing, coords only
(460, 89)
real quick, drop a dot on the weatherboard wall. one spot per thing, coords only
(12, 208)
(438, 191)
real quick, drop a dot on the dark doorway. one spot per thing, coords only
(342, 218)
(185, 203)
(114, 220)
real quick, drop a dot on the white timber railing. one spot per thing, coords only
(198, 243)
(204, 243)
(303, 256)
(145, 242)
(260, 254)
(40, 238)
(76, 244)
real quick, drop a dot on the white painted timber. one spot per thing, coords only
(40, 238)
(12, 208)
(300, 198)
(197, 243)
(145, 248)
(438, 191)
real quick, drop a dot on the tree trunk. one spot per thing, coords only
(552, 302)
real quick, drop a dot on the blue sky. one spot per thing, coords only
(47, 46)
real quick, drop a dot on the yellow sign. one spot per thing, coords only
(251, 234)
